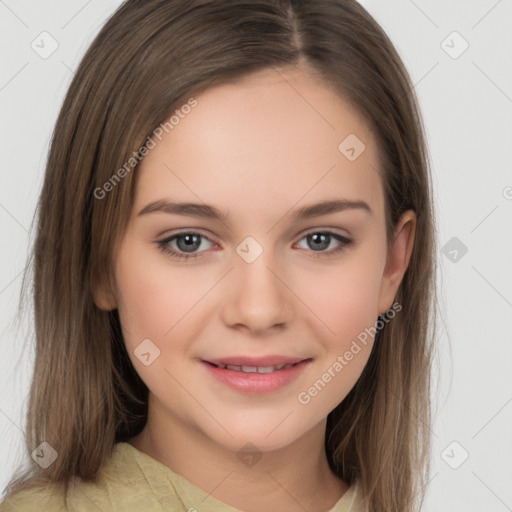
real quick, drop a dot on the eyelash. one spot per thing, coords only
(163, 245)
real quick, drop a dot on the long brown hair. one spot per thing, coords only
(149, 57)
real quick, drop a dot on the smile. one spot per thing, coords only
(254, 369)
(256, 375)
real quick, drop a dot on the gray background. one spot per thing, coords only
(466, 99)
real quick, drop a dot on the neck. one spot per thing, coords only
(296, 477)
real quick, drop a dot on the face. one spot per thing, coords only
(263, 286)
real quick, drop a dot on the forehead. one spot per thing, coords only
(273, 139)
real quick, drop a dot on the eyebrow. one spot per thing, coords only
(210, 212)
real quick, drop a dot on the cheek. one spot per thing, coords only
(157, 303)
(345, 301)
(153, 301)
(344, 297)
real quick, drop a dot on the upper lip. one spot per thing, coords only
(270, 360)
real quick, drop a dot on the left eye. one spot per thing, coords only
(187, 244)
(321, 240)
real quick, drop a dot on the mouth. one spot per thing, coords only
(254, 369)
(256, 375)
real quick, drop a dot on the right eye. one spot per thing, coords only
(186, 243)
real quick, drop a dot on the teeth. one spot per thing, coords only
(266, 369)
(254, 369)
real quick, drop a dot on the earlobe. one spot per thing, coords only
(397, 261)
(103, 296)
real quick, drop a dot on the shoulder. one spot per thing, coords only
(36, 499)
(129, 481)
(116, 483)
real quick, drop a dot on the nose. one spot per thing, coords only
(256, 297)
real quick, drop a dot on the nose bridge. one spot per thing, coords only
(257, 297)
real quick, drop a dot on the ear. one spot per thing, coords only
(397, 260)
(103, 296)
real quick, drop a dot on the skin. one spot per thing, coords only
(257, 149)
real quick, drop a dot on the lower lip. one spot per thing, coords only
(256, 383)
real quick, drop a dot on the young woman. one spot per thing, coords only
(234, 268)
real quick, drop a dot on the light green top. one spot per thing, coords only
(135, 482)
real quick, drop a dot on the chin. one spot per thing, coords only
(266, 434)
